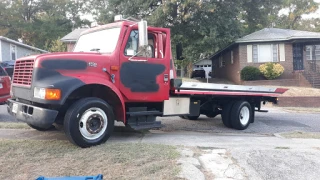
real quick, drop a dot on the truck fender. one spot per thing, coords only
(119, 109)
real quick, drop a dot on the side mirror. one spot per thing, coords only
(143, 33)
(179, 51)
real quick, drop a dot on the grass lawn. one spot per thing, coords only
(301, 109)
(29, 159)
(14, 125)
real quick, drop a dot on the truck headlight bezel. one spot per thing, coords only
(47, 93)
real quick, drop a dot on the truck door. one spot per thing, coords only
(145, 76)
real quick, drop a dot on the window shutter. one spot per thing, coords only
(231, 61)
(282, 52)
(249, 53)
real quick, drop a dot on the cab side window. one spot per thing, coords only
(132, 46)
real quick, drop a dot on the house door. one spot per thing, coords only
(297, 57)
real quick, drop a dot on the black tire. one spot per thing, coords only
(193, 117)
(241, 115)
(73, 117)
(41, 129)
(225, 115)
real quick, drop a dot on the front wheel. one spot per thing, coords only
(89, 122)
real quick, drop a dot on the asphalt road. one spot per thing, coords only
(254, 153)
(275, 121)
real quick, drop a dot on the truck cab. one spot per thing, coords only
(124, 72)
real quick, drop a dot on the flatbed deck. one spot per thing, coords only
(196, 88)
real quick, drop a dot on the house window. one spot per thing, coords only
(13, 52)
(275, 52)
(231, 61)
(265, 53)
(313, 52)
(221, 62)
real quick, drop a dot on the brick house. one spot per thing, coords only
(297, 51)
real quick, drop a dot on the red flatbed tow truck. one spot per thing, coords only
(122, 71)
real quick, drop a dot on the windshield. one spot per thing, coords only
(104, 41)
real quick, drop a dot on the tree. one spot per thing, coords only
(56, 46)
(258, 14)
(202, 27)
(295, 9)
(37, 22)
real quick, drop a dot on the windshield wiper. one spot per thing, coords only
(95, 49)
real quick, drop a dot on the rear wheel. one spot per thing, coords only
(241, 115)
(225, 115)
(89, 122)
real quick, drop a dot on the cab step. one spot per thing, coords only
(139, 118)
(144, 113)
(145, 126)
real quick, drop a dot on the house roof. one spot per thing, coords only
(73, 36)
(275, 34)
(21, 44)
(271, 35)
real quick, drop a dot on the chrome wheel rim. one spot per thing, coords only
(244, 115)
(93, 123)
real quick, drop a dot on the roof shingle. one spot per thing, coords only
(73, 36)
(275, 34)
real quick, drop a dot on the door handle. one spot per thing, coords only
(165, 77)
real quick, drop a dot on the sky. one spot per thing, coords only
(313, 15)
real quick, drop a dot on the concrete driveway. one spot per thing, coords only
(211, 151)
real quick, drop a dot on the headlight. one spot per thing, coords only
(46, 93)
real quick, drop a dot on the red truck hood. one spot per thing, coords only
(66, 55)
(72, 64)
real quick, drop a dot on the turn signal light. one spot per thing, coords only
(114, 68)
(53, 94)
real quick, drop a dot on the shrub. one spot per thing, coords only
(271, 70)
(250, 73)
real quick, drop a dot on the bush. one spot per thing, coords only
(271, 70)
(250, 73)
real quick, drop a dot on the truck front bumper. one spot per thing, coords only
(39, 117)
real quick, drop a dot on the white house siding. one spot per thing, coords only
(20, 51)
(5, 51)
(205, 64)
